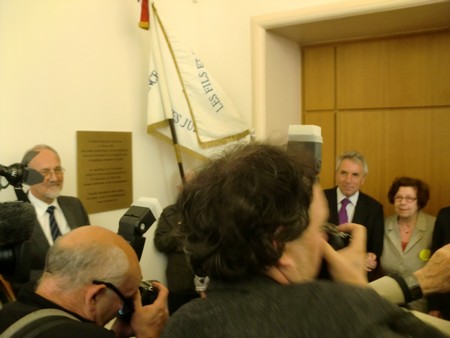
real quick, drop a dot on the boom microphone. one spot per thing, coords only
(17, 221)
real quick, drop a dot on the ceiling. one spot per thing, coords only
(412, 19)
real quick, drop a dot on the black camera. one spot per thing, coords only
(337, 239)
(148, 292)
(148, 295)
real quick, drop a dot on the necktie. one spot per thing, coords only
(53, 225)
(343, 217)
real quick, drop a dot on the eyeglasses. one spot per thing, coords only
(58, 171)
(408, 199)
(127, 307)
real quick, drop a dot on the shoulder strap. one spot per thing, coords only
(24, 326)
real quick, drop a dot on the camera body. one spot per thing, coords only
(148, 292)
(148, 295)
(337, 239)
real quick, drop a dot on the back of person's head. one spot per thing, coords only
(241, 209)
(354, 156)
(75, 261)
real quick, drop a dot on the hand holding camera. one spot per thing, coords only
(337, 239)
(348, 263)
(149, 312)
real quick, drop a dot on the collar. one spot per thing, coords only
(41, 206)
(353, 198)
(31, 298)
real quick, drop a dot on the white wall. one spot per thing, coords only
(82, 65)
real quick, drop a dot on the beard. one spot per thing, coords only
(53, 193)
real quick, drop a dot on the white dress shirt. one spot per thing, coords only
(44, 217)
(351, 206)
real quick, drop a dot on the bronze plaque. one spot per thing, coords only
(104, 170)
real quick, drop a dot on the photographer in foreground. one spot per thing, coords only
(91, 273)
(253, 224)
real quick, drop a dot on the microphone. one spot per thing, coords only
(17, 220)
(19, 173)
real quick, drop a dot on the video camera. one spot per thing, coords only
(17, 220)
(18, 173)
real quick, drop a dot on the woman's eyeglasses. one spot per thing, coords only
(408, 199)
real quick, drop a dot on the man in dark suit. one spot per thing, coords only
(68, 212)
(351, 171)
(439, 305)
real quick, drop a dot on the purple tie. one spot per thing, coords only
(343, 217)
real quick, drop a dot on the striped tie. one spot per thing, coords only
(53, 225)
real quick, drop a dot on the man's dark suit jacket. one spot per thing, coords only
(368, 212)
(441, 237)
(76, 216)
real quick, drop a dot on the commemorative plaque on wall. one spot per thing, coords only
(104, 170)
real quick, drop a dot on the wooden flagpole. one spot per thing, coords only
(165, 97)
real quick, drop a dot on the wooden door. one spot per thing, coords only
(388, 98)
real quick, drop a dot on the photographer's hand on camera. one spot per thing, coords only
(434, 277)
(349, 264)
(147, 320)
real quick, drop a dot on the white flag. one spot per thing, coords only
(181, 88)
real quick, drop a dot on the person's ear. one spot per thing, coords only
(363, 180)
(91, 297)
(276, 272)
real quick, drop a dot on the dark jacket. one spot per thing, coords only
(263, 308)
(180, 277)
(29, 301)
(441, 237)
(368, 212)
(76, 216)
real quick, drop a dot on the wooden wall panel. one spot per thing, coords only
(403, 142)
(392, 104)
(318, 78)
(408, 71)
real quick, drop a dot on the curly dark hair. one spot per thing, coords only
(423, 191)
(241, 209)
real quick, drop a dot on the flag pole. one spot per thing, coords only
(165, 97)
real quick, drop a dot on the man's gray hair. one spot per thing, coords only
(78, 265)
(354, 156)
(27, 156)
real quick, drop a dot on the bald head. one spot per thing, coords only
(91, 253)
(97, 236)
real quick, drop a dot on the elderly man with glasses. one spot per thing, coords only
(92, 276)
(56, 214)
